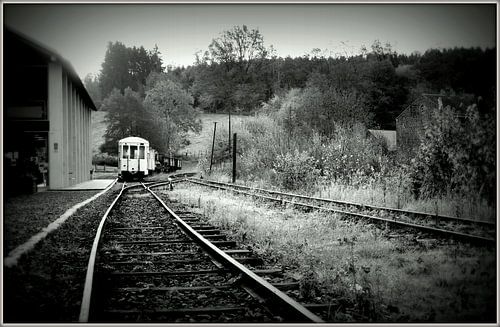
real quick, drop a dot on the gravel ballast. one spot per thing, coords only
(27, 215)
(47, 284)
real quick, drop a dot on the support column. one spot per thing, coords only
(64, 143)
(68, 131)
(55, 114)
(85, 168)
(89, 141)
(78, 138)
(73, 136)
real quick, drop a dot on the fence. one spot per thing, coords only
(105, 169)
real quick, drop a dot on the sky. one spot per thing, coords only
(81, 32)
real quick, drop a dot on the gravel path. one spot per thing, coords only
(27, 215)
(47, 284)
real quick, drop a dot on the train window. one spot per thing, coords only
(141, 152)
(133, 152)
(125, 151)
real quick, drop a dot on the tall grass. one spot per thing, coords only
(364, 275)
(380, 194)
(349, 166)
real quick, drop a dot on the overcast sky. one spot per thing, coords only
(80, 33)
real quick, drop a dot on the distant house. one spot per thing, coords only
(47, 118)
(411, 122)
(386, 136)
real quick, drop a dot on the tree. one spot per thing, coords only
(115, 69)
(174, 114)
(385, 91)
(230, 73)
(128, 67)
(125, 117)
(91, 83)
(141, 64)
(457, 153)
(239, 46)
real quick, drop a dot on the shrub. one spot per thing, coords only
(104, 159)
(350, 154)
(295, 170)
(456, 155)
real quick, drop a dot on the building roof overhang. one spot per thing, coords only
(51, 55)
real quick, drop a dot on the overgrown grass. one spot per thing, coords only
(380, 195)
(200, 143)
(349, 165)
(392, 197)
(99, 126)
(365, 276)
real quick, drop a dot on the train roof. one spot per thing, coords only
(133, 139)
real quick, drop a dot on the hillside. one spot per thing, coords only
(98, 129)
(197, 140)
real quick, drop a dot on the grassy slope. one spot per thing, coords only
(98, 130)
(197, 140)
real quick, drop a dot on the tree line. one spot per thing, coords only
(239, 73)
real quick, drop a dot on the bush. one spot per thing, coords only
(295, 171)
(350, 154)
(105, 159)
(456, 155)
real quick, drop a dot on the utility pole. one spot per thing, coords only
(229, 144)
(234, 157)
(213, 143)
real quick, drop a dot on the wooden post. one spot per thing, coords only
(234, 157)
(213, 143)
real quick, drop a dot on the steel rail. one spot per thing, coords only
(87, 291)
(277, 299)
(418, 213)
(434, 230)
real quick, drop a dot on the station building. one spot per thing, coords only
(46, 118)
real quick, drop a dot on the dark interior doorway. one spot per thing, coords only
(26, 162)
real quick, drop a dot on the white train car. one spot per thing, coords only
(133, 155)
(152, 154)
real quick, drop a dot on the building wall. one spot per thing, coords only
(410, 125)
(70, 158)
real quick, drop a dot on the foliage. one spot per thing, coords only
(230, 74)
(91, 83)
(127, 67)
(314, 109)
(239, 47)
(295, 170)
(104, 159)
(174, 114)
(385, 92)
(457, 154)
(351, 155)
(238, 72)
(125, 116)
(316, 104)
(463, 70)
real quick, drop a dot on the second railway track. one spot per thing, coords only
(463, 229)
(151, 264)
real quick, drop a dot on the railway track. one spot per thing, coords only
(151, 264)
(463, 229)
